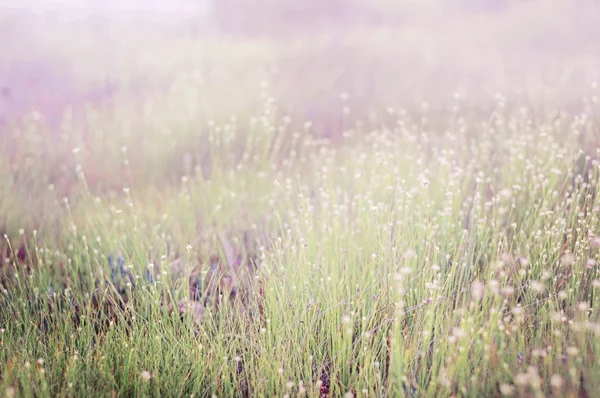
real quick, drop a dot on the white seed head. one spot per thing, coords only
(556, 381)
(145, 375)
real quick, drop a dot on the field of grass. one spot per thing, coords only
(396, 211)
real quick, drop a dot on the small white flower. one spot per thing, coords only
(556, 381)
(477, 290)
(506, 389)
(537, 286)
(572, 351)
(145, 375)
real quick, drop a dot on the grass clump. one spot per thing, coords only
(394, 262)
(175, 246)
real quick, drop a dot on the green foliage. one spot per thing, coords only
(213, 239)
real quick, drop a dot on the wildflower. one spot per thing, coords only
(506, 389)
(590, 263)
(546, 275)
(572, 351)
(506, 193)
(523, 262)
(537, 287)
(567, 259)
(477, 289)
(494, 285)
(521, 379)
(458, 333)
(409, 254)
(556, 381)
(145, 375)
(517, 310)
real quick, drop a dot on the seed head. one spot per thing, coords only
(477, 290)
(556, 381)
(145, 375)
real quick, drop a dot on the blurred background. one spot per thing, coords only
(154, 75)
(61, 53)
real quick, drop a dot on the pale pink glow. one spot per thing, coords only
(417, 48)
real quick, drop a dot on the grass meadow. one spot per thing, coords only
(405, 210)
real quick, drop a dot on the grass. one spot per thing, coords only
(233, 230)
